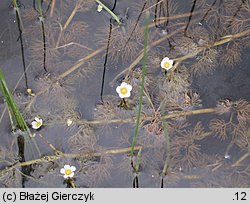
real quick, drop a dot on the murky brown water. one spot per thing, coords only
(204, 102)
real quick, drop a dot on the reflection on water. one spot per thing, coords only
(194, 128)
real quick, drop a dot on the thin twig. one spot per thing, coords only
(52, 8)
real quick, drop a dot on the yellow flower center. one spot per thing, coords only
(38, 124)
(124, 90)
(166, 64)
(68, 172)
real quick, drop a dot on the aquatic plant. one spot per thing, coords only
(186, 152)
(117, 19)
(166, 63)
(37, 123)
(118, 41)
(174, 142)
(16, 6)
(144, 70)
(68, 171)
(124, 90)
(21, 125)
(41, 19)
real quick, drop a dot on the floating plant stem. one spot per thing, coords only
(97, 154)
(137, 21)
(236, 13)
(144, 71)
(20, 29)
(161, 10)
(106, 60)
(110, 12)
(210, 8)
(190, 17)
(20, 122)
(137, 166)
(52, 8)
(63, 28)
(80, 63)
(155, 14)
(237, 163)
(167, 161)
(136, 182)
(223, 40)
(41, 19)
(133, 120)
(178, 16)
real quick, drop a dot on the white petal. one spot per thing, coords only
(124, 84)
(166, 59)
(62, 171)
(65, 176)
(37, 119)
(163, 61)
(118, 89)
(73, 168)
(66, 166)
(162, 64)
(129, 87)
(71, 175)
(34, 125)
(121, 95)
(127, 95)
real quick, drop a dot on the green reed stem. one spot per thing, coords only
(138, 162)
(167, 161)
(167, 140)
(21, 124)
(11, 120)
(40, 10)
(110, 12)
(14, 3)
(144, 71)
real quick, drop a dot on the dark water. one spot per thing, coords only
(206, 149)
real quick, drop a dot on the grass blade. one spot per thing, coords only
(144, 71)
(30, 143)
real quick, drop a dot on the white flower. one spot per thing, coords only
(124, 90)
(99, 8)
(37, 123)
(167, 63)
(68, 171)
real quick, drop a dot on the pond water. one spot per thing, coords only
(194, 126)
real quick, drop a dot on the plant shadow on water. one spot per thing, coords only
(194, 118)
